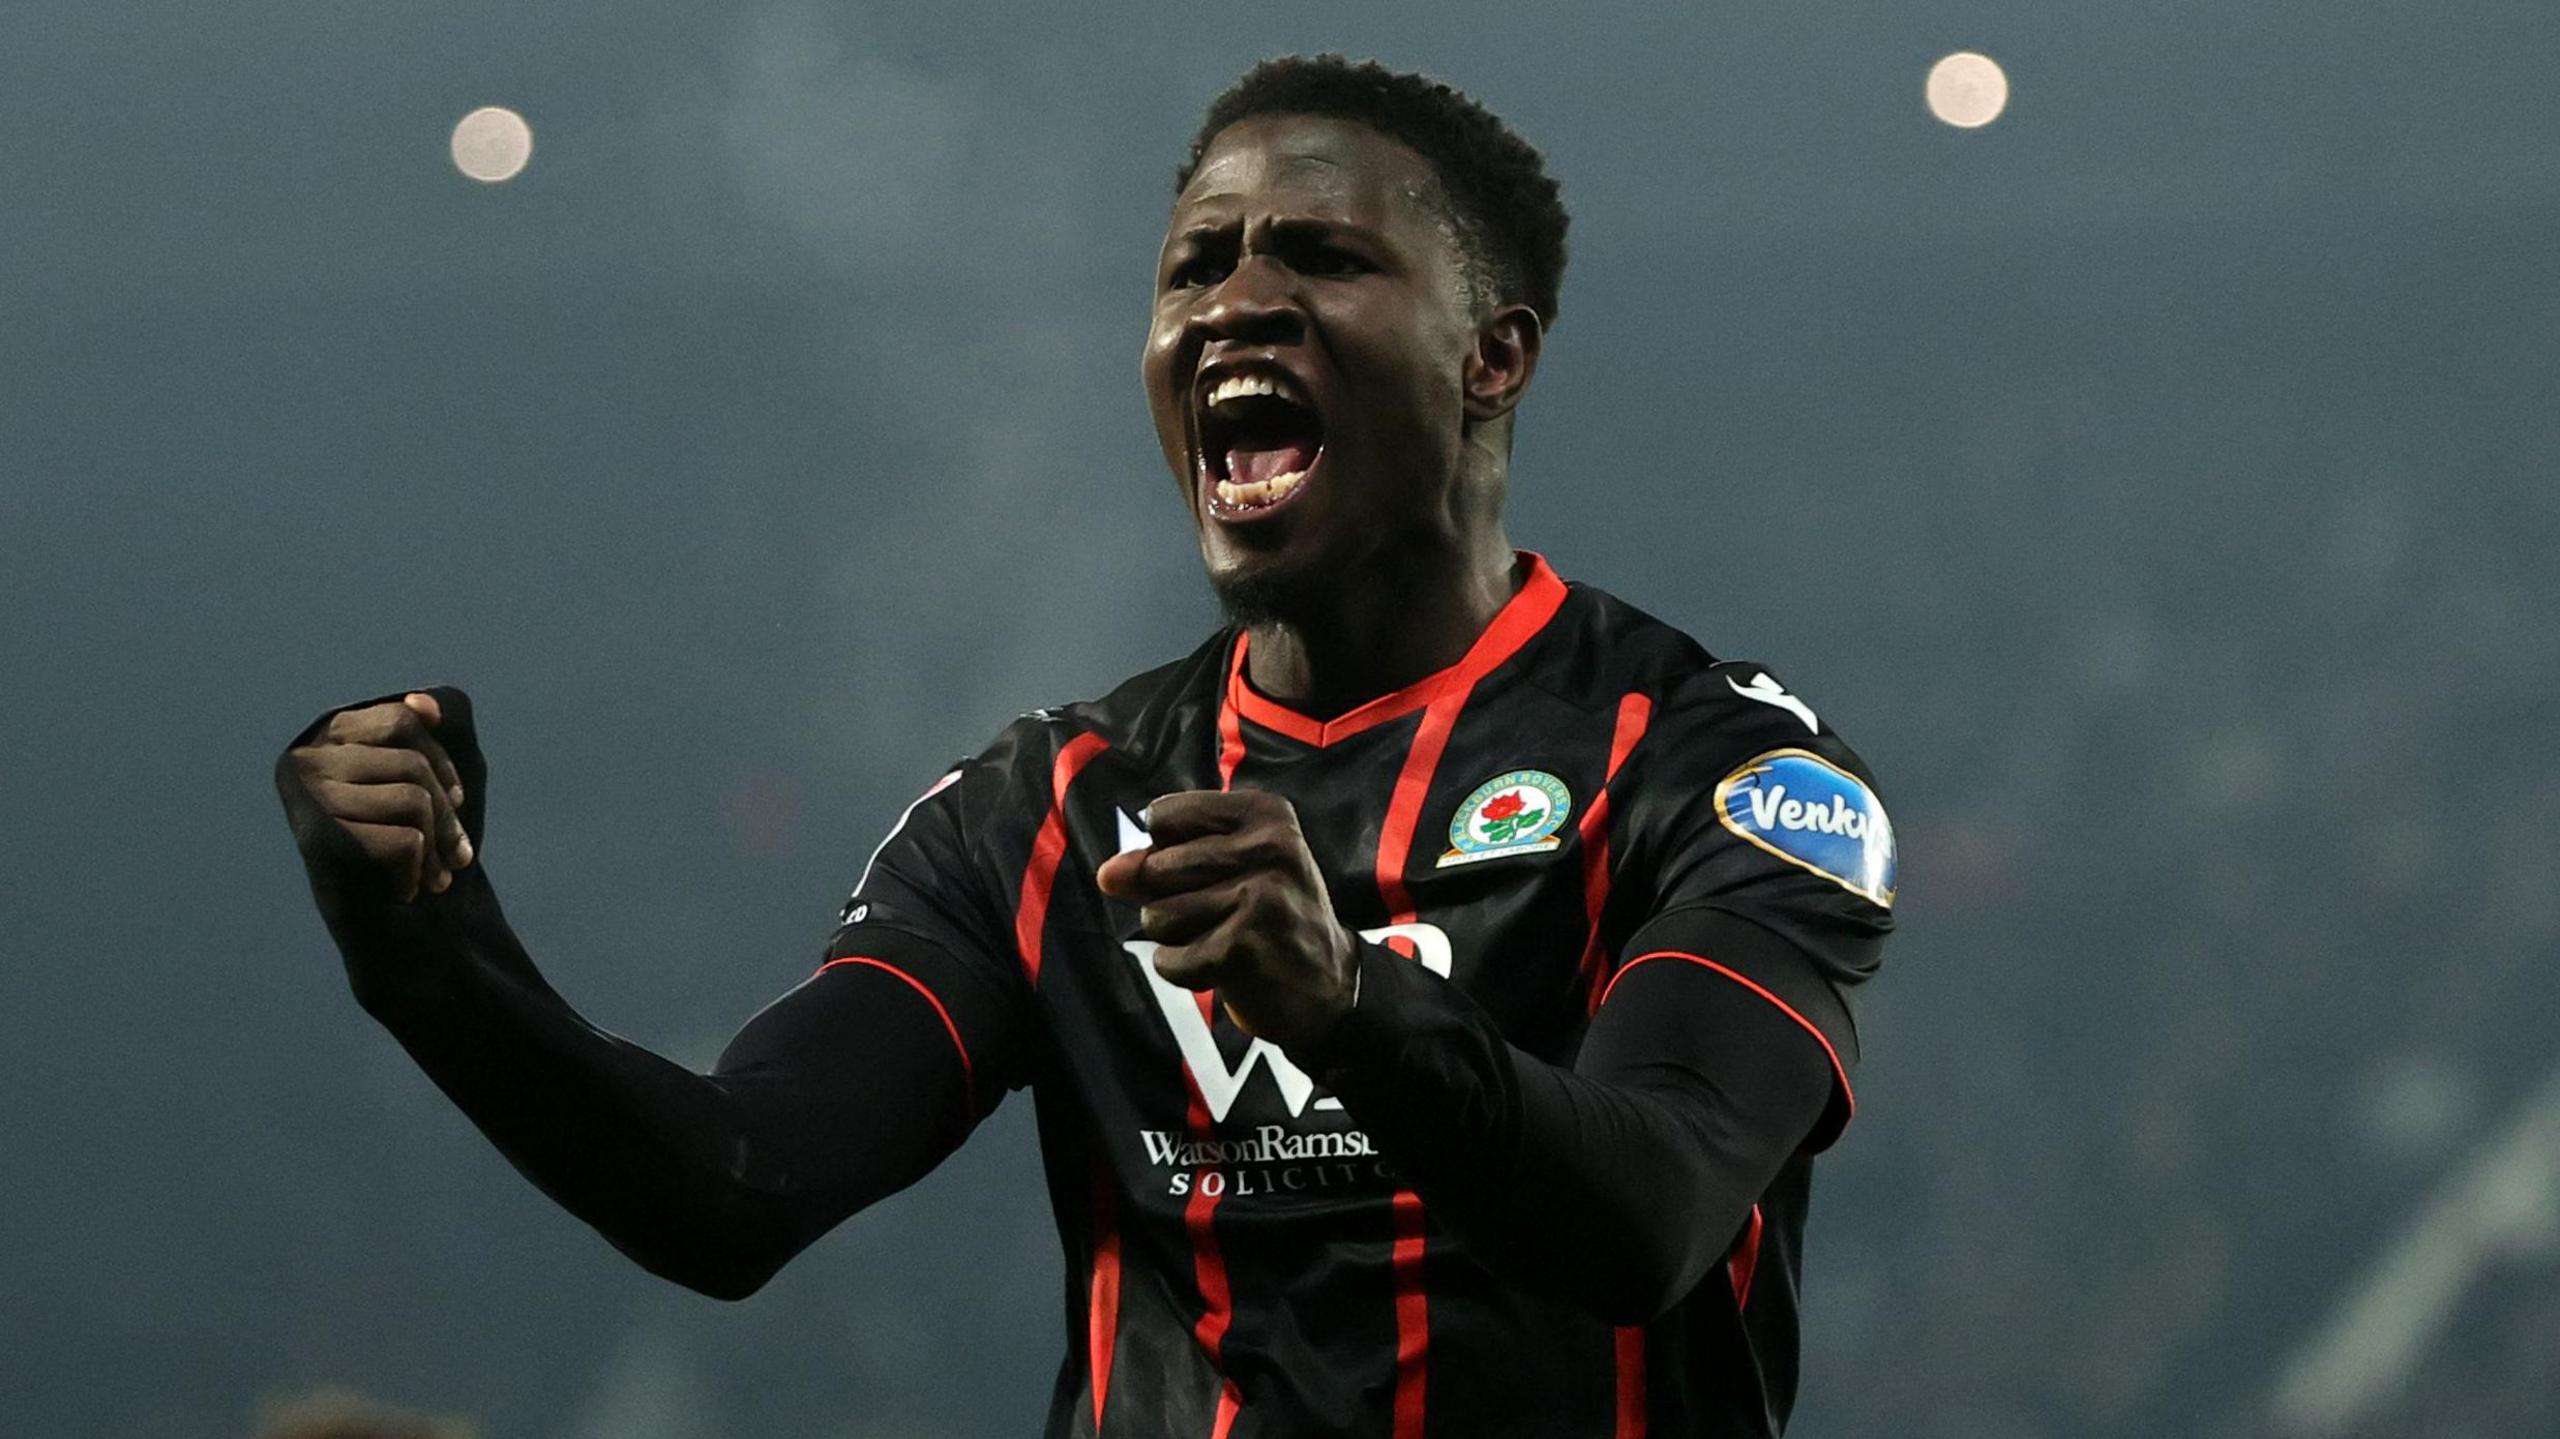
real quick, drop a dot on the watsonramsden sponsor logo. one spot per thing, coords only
(1274, 1159)
(1270, 1144)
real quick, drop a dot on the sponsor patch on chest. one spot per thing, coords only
(1813, 814)
(1517, 813)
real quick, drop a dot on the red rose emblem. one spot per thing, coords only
(1503, 806)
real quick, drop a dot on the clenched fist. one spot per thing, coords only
(381, 774)
(1231, 892)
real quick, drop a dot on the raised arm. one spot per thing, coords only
(842, 1091)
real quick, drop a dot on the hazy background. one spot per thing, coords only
(2156, 486)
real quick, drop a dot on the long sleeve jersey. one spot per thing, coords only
(1549, 1176)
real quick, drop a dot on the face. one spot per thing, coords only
(1315, 359)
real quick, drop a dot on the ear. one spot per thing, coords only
(1498, 369)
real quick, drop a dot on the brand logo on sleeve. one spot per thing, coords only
(1815, 815)
(1765, 688)
(1515, 813)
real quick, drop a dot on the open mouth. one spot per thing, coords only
(1260, 438)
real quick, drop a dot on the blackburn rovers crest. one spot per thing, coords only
(1518, 813)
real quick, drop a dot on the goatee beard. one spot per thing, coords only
(1269, 594)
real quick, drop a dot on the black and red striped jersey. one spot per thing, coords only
(1587, 793)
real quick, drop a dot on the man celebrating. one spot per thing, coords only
(1433, 988)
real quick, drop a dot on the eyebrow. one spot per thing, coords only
(1292, 229)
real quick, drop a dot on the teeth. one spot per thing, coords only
(1260, 492)
(1236, 387)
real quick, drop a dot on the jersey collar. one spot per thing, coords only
(1520, 618)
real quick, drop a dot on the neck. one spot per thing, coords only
(1382, 626)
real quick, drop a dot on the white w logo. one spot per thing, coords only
(1219, 1084)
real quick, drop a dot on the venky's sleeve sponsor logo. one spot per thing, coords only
(1815, 815)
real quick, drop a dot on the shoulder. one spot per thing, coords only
(1733, 754)
(1143, 716)
(1728, 711)
(1707, 711)
(1149, 712)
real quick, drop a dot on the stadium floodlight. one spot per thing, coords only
(492, 144)
(1968, 90)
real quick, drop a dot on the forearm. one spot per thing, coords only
(713, 1181)
(837, 1095)
(1615, 1185)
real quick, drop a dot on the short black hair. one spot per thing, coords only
(1507, 212)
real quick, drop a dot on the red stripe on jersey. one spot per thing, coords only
(1520, 617)
(1031, 914)
(929, 997)
(1230, 722)
(1839, 1071)
(1199, 1212)
(1631, 1381)
(1404, 807)
(1745, 1261)
(1208, 1264)
(1102, 1290)
(1413, 1316)
(1525, 615)
(1395, 841)
(1635, 711)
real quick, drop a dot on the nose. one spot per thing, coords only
(1253, 305)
